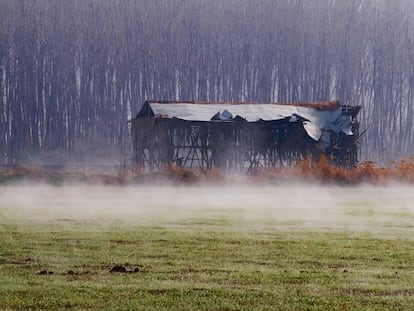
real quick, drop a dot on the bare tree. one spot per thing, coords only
(73, 72)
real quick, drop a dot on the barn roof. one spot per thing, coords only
(315, 116)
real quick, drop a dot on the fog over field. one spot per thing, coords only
(382, 209)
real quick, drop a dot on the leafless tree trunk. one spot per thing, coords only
(73, 72)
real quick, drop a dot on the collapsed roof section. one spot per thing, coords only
(315, 117)
(243, 137)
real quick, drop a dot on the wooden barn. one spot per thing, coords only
(242, 136)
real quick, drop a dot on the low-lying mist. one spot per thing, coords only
(292, 206)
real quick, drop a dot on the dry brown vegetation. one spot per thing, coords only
(365, 172)
(307, 170)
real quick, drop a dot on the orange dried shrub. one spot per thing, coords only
(368, 172)
(23, 171)
(174, 169)
(329, 173)
(306, 168)
(325, 172)
(404, 170)
(183, 174)
(213, 175)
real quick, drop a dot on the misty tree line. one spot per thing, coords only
(72, 73)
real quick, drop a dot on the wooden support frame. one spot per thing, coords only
(233, 146)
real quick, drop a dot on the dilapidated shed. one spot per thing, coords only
(242, 136)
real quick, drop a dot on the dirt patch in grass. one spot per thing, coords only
(123, 269)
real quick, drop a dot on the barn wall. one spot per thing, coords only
(232, 146)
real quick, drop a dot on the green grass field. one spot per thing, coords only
(58, 246)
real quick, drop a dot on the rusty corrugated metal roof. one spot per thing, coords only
(325, 105)
(315, 117)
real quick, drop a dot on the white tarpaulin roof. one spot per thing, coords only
(317, 119)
